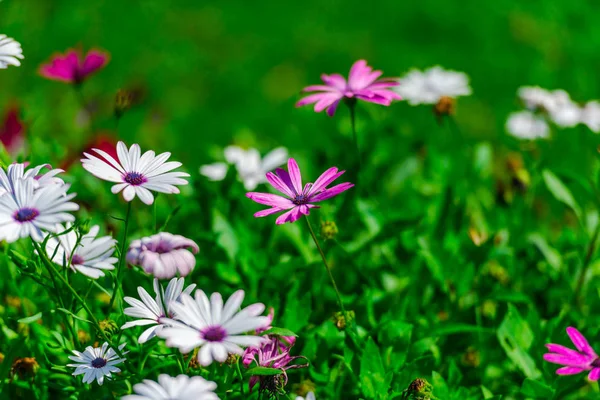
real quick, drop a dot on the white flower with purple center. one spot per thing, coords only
(91, 256)
(429, 86)
(151, 310)
(29, 212)
(17, 171)
(181, 387)
(213, 327)
(10, 52)
(96, 363)
(251, 168)
(163, 255)
(136, 174)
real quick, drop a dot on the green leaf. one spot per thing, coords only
(536, 389)
(29, 320)
(279, 332)
(263, 371)
(516, 338)
(372, 374)
(297, 309)
(226, 237)
(73, 315)
(560, 191)
(551, 255)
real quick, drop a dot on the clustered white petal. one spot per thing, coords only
(427, 87)
(181, 387)
(10, 52)
(150, 310)
(527, 125)
(96, 363)
(309, 396)
(90, 256)
(134, 173)
(251, 168)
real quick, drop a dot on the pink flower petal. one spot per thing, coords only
(325, 179)
(594, 374)
(268, 211)
(94, 60)
(569, 370)
(272, 200)
(334, 191)
(580, 342)
(313, 98)
(295, 175)
(289, 216)
(331, 109)
(279, 184)
(335, 80)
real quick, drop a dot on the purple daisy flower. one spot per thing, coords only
(362, 84)
(298, 200)
(574, 361)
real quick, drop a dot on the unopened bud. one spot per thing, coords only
(83, 336)
(489, 308)
(341, 321)
(328, 230)
(108, 327)
(24, 367)
(123, 101)
(419, 389)
(471, 358)
(232, 359)
(84, 226)
(444, 106)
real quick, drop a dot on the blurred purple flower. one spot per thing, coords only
(163, 255)
(273, 354)
(73, 67)
(12, 131)
(299, 200)
(574, 361)
(362, 84)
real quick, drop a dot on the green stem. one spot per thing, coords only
(117, 286)
(337, 292)
(239, 372)
(352, 107)
(94, 321)
(586, 262)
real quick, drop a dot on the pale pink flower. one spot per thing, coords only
(73, 67)
(362, 84)
(298, 200)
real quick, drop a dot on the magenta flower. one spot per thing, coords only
(285, 344)
(12, 131)
(574, 361)
(163, 255)
(298, 200)
(362, 84)
(73, 67)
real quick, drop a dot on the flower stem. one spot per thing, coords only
(337, 292)
(586, 262)
(352, 108)
(239, 372)
(121, 259)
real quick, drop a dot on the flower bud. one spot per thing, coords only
(108, 327)
(123, 101)
(329, 230)
(83, 336)
(24, 367)
(84, 226)
(419, 389)
(339, 319)
(445, 106)
(471, 358)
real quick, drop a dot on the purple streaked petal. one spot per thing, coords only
(594, 374)
(268, 211)
(326, 101)
(335, 80)
(289, 216)
(334, 191)
(325, 179)
(270, 200)
(285, 178)
(569, 370)
(279, 184)
(295, 175)
(580, 342)
(313, 98)
(331, 109)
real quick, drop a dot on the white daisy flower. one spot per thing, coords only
(212, 326)
(527, 125)
(96, 363)
(427, 87)
(181, 387)
(136, 173)
(152, 310)
(92, 255)
(10, 52)
(590, 116)
(29, 212)
(17, 171)
(557, 104)
(309, 396)
(251, 168)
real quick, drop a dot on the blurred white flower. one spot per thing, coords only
(590, 116)
(10, 52)
(557, 104)
(427, 87)
(181, 387)
(91, 256)
(96, 363)
(527, 125)
(251, 168)
(309, 396)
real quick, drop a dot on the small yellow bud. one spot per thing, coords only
(328, 230)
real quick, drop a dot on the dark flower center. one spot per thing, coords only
(134, 178)
(98, 362)
(162, 248)
(214, 334)
(300, 199)
(26, 214)
(596, 362)
(77, 259)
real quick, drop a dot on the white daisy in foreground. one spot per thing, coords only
(96, 363)
(590, 116)
(527, 125)
(10, 52)
(92, 255)
(136, 174)
(309, 396)
(151, 310)
(17, 171)
(251, 168)
(32, 213)
(429, 86)
(213, 327)
(182, 387)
